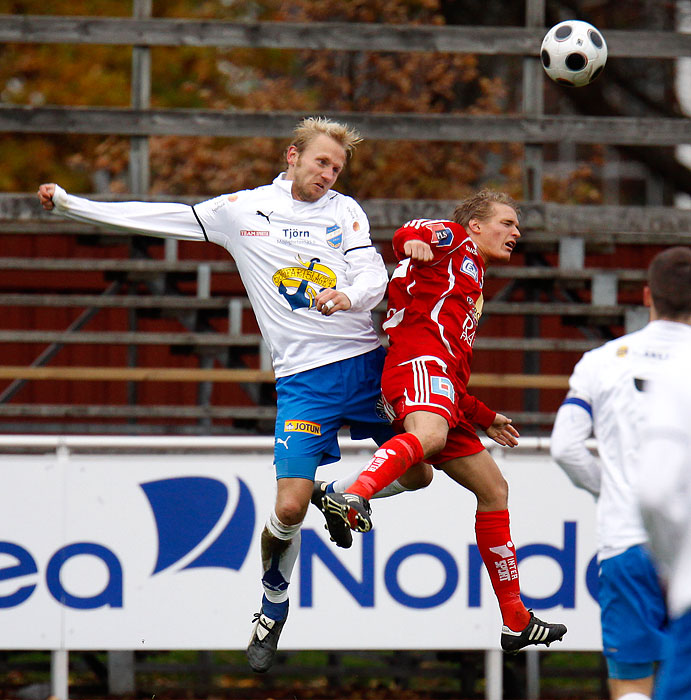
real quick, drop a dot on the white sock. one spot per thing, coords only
(342, 485)
(277, 571)
(280, 530)
(634, 696)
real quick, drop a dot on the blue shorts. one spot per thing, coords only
(632, 612)
(674, 680)
(315, 404)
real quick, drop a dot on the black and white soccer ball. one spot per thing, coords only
(573, 53)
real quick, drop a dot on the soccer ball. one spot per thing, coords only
(573, 53)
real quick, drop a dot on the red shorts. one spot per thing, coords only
(423, 385)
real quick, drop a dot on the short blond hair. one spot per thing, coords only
(311, 127)
(481, 206)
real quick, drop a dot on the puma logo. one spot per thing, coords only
(283, 442)
(266, 216)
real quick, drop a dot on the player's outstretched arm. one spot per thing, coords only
(502, 432)
(162, 219)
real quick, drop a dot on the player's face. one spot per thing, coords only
(496, 236)
(315, 171)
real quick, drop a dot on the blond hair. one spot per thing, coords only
(311, 127)
(481, 206)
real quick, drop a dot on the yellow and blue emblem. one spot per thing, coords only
(301, 283)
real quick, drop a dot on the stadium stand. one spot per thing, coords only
(85, 309)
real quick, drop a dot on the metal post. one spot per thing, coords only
(494, 669)
(235, 316)
(572, 253)
(203, 281)
(59, 674)
(604, 289)
(121, 673)
(170, 247)
(141, 99)
(533, 106)
(60, 658)
(532, 674)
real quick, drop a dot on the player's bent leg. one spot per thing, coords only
(419, 476)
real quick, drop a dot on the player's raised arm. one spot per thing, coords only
(162, 219)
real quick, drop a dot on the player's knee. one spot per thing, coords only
(290, 510)
(417, 477)
(432, 443)
(495, 496)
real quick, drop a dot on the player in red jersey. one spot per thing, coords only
(435, 303)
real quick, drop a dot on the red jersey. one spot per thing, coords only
(434, 307)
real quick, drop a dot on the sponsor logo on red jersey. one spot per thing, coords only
(442, 235)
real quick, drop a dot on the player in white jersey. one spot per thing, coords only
(312, 276)
(664, 491)
(606, 397)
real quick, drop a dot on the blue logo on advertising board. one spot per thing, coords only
(186, 509)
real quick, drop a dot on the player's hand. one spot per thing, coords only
(502, 432)
(418, 250)
(45, 195)
(329, 301)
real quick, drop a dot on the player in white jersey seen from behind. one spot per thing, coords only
(607, 398)
(312, 276)
(664, 492)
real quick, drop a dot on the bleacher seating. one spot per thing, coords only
(97, 339)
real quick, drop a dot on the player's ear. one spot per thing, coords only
(474, 225)
(292, 154)
(647, 297)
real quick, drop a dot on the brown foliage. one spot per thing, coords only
(257, 80)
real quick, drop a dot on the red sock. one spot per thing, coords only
(390, 461)
(499, 555)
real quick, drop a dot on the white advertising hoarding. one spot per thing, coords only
(161, 551)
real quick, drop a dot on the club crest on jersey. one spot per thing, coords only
(300, 284)
(442, 235)
(334, 236)
(469, 268)
(302, 426)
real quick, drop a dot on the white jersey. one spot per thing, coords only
(286, 252)
(606, 395)
(664, 485)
